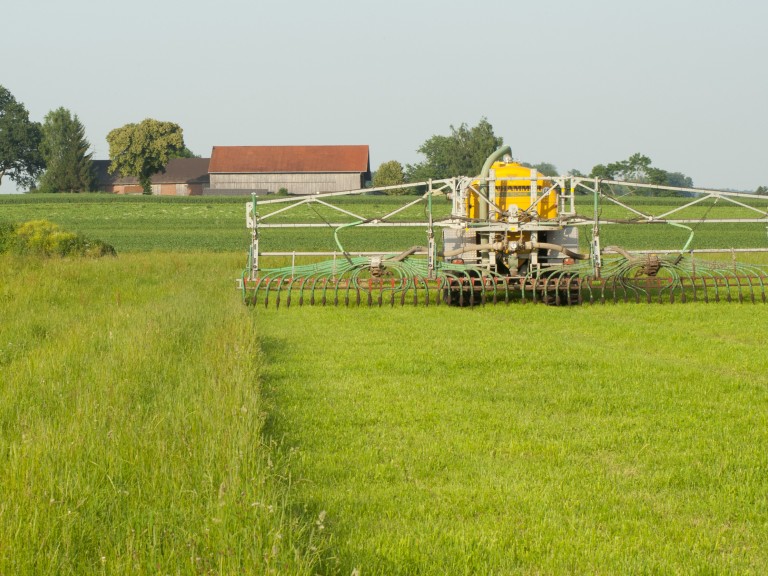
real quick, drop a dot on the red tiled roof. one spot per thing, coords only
(281, 159)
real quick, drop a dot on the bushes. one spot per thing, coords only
(44, 238)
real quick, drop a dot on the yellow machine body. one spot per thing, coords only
(515, 192)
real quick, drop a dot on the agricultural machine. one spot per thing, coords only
(509, 234)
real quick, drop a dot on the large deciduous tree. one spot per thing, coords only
(390, 174)
(462, 153)
(20, 158)
(68, 165)
(144, 149)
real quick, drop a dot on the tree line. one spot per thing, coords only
(54, 156)
(464, 150)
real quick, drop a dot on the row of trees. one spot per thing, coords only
(54, 156)
(464, 150)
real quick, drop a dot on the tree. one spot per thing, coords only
(185, 153)
(20, 158)
(68, 165)
(638, 168)
(761, 190)
(144, 149)
(463, 153)
(390, 174)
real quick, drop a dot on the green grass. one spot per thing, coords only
(131, 423)
(150, 423)
(137, 223)
(527, 439)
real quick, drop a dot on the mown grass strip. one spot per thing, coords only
(131, 423)
(528, 439)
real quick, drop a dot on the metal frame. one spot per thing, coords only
(498, 222)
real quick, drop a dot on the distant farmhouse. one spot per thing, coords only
(182, 177)
(297, 169)
(245, 170)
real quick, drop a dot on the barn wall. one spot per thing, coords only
(124, 189)
(295, 183)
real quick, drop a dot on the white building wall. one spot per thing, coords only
(305, 183)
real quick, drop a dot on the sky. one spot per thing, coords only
(573, 83)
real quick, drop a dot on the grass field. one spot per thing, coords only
(526, 439)
(131, 423)
(151, 424)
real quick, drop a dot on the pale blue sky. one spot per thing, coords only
(572, 83)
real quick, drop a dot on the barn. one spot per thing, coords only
(297, 169)
(182, 177)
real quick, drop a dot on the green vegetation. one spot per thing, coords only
(144, 149)
(150, 423)
(391, 174)
(131, 423)
(43, 238)
(139, 223)
(135, 223)
(462, 153)
(637, 168)
(20, 158)
(68, 165)
(611, 439)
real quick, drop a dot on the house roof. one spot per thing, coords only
(282, 159)
(177, 171)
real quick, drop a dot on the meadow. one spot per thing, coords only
(152, 424)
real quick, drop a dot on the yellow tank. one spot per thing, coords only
(515, 192)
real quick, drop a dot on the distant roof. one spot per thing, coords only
(177, 171)
(282, 159)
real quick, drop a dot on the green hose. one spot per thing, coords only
(336, 236)
(690, 238)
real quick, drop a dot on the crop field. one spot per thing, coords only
(152, 424)
(136, 224)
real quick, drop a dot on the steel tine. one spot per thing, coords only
(266, 292)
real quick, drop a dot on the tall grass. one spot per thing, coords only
(131, 423)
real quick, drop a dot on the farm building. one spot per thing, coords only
(182, 177)
(297, 169)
